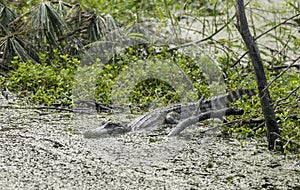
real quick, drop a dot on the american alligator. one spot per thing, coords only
(158, 116)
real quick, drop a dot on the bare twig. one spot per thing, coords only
(276, 26)
(96, 105)
(288, 140)
(55, 143)
(259, 121)
(51, 108)
(204, 39)
(281, 73)
(44, 108)
(247, 121)
(264, 33)
(239, 60)
(285, 66)
(282, 99)
(259, 126)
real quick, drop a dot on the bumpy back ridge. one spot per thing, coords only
(157, 116)
(222, 101)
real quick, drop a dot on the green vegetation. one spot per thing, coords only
(43, 83)
(152, 90)
(44, 49)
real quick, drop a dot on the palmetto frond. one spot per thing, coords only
(7, 16)
(61, 9)
(58, 25)
(15, 46)
(48, 22)
(96, 28)
(75, 15)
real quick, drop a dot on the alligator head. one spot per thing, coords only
(105, 130)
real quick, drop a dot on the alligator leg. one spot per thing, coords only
(172, 118)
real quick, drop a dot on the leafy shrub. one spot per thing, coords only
(285, 104)
(43, 83)
(52, 81)
(151, 91)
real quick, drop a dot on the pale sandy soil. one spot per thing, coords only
(41, 150)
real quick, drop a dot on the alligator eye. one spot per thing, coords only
(111, 125)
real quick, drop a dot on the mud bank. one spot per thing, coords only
(42, 150)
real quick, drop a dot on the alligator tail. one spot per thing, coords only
(222, 101)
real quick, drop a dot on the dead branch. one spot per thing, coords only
(284, 66)
(264, 33)
(204, 39)
(44, 108)
(285, 98)
(96, 105)
(276, 26)
(282, 72)
(203, 116)
(288, 140)
(260, 122)
(55, 143)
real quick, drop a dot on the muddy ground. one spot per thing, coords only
(43, 150)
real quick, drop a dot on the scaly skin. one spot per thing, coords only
(157, 116)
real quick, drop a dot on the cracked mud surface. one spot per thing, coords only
(42, 151)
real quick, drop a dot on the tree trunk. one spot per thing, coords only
(265, 100)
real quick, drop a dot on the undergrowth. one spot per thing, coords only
(51, 80)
